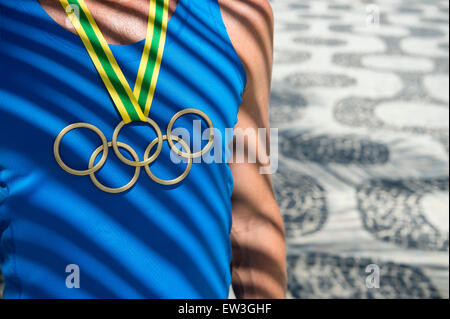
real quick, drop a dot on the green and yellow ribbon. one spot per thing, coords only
(132, 105)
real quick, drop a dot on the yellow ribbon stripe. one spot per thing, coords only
(148, 74)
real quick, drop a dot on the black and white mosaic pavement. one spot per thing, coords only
(303, 202)
(393, 210)
(361, 99)
(318, 275)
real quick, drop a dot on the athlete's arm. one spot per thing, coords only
(259, 256)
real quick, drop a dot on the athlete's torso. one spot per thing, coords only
(150, 242)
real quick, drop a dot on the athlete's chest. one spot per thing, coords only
(50, 68)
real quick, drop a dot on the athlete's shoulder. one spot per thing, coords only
(254, 14)
(250, 24)
(256, 9)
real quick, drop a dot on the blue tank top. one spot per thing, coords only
(150, 242)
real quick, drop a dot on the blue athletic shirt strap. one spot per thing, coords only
(216, 13)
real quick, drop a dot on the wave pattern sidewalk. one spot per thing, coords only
(363, 113)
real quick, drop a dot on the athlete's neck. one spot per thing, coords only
(121, 22)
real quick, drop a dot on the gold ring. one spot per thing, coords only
(172, 181)
(170, 137)
(123, 188)
(137, 163)
(91, 170)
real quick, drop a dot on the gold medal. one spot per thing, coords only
(133, 106)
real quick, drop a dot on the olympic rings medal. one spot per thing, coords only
(170, 137)
(137, 163)
(123, 188)
(91, 170)
(173, 181)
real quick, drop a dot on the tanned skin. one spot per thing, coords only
(259, 254)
